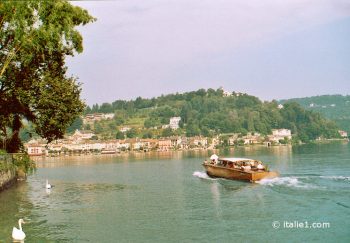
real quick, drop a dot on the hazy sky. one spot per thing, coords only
(270, 49)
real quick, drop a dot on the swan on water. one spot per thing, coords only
(48, 185)
(18, 234)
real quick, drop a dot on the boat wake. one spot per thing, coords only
(337, 178)
(202, 175)
(286, 181)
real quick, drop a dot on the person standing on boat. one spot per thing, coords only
(214, 159)
(260, 167)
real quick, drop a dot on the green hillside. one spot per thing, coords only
(334, 107)
(209, 112)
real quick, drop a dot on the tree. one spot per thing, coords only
(98, 127)
(118, 120)
(120, 135)
(77, 124)
(131, 133)
(151, 122)
(35, 38)
(192, 130)
(147, 134)
(167, 132)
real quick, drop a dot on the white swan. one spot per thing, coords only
(48, 185)
(18, 234)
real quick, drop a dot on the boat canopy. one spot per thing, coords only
(234, 160)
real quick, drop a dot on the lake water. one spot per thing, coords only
(167, 197)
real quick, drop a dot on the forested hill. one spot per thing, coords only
(210, 112)
(335, 107)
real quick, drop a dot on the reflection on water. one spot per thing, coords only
(216, 199)
(45, 162)
(231, 185)
(254, 152)
(167, 197)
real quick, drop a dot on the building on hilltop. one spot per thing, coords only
(225, 93)
(82, 135)
(174, 122)
(91, 118)
(124, 129)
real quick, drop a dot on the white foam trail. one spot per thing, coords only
(202, 175)
(285, 181)
(343, 178)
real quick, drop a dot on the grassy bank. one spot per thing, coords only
(19, 162)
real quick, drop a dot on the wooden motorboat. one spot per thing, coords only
(238, 169)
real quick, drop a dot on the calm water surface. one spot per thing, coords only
(167, 197)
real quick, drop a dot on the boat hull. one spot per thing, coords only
(237, 174)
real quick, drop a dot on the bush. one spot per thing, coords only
(24, 163)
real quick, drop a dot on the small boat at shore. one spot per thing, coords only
(108, 151)
(238, 169)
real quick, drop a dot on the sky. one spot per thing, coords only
(267, 48)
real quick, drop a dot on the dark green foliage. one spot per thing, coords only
(132, 133)
(19, 161)
(208, 113)
(334, 107)
(307, 125)
(35, 38)
(167, 132)
(24, 163)
(120, 135)
(151, 122)
(147, 134)
(97, 127)
(119, 120)
(77, 124)
(192, 130)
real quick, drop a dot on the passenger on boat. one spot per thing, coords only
(214, 159)
(246, 166)
(260, 167)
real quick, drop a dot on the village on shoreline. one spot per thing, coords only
(83, 143)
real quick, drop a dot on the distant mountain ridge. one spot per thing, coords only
(334, 107)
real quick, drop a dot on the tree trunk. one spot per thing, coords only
(14, 143)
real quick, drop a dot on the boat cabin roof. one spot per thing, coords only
(234, 160)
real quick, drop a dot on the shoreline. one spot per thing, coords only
(123, 153)
(139, 152)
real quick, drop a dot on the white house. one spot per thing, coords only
(82, 135)
(108, 116)
(199, 141)
(343, 134)
(35, 149)
(124, 129)
(282, 133)
(91, 118)
(174, 122)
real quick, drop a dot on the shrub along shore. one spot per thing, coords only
(14, 167)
